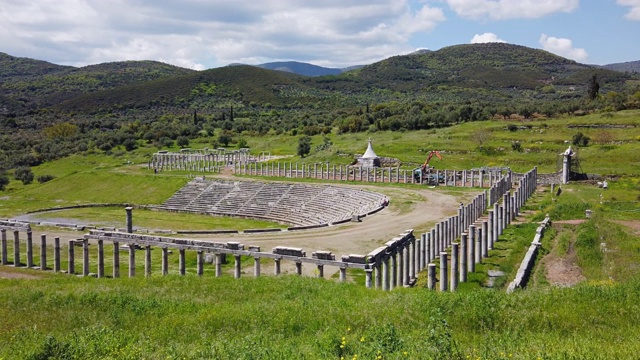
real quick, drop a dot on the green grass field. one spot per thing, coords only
(57, 316)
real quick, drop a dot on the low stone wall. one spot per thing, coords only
(522, 276)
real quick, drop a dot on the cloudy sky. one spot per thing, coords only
(202, 34)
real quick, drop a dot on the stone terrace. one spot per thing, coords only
(296, 204)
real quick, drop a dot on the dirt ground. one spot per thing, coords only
(563, 271)
(420, 209)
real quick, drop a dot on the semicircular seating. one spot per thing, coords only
(290, 203)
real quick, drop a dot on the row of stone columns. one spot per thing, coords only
(195, 162)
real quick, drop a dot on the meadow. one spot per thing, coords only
(57, 316)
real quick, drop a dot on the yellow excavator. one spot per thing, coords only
(423, 174)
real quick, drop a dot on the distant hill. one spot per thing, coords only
(300, 68)
(18, 67)
(631, 66)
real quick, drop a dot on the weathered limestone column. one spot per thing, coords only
(129, 211)
(343, 274)
(485, 239)
(368, 277)
(443, 271)
(438, 238)
(471, 259)
(147, 261)
(236, 267)
(16, 248)
(3, 237)
(431, 273)
(85, 257)
(415, 260)
(165, 261)
(478, 248)
(116, 259)
(454, 266)
(321, 272)
(394, 271)
(100, 258)
(378, 274)
(406, 277)
(219, 265)
(463, 257)
(71, 269)
(422, 252)
(500, 220)
(299, 267)
(496, 222)
(276, 266)
(256, 267)
(385, 274)
(29, 249)
(132, 260)
(432, 245)
(56, 254)
(182, 263)
(490, 230)
(43, 252)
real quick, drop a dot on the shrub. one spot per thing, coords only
(130, 144)
(182, 141)
(4, 181)
(579, 139)
(24, 174)
(516, 146)
(512, 127)
(44, 178)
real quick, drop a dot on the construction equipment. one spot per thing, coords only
(424, 174)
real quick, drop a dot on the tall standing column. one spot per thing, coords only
(343, 274)
(368, 277)
(485, 239)
(165, 261)
(454, 266)
(56, 254)
(43, 252)
(100, 258)
(431, 273)
(321, 273)
(3, 239)
(443, 271)
(29, 249)
(116, 259)
(490, 230)
(299, 267)
(71, 261)
(182, 262)
(236, 266)
(16, 248)
(219, 262)
(147, 260)
(256, 266)
(132, 260)
(471, 259)
(378, 275)
(394, 271)
(85, 257)
(478, 248)
(385, 274)
(463, 257)
(276, 266)
(129, 219)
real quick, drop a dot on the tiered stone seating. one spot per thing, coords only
(297, 204)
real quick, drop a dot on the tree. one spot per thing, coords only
(224, 138)
(594, 87)
(304, 146)
(242, 143)
(182, 141)
(580, 139)
(481, 136)
(130, 144)
(24, 174)
(4, 181)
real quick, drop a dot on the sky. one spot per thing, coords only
(204, 34)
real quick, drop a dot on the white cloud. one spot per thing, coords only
(634, 12)
(200, 34)
(562, 47)
(486, 38)
(510, 9)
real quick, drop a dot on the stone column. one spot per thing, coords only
(431, 273)
(116, 259)
(43, 252)
(343, 274)
(218, 265)
(299, 267)
(454, 266)
(407, 266)
(485, 239)
(443, 271)
(165, 261)
(471, 246)
(415, 259)
(463, 257)
(147, 260)
(478, 248)
(500, 220)
(321, 273)
(385, 274)
(100, 258)
(368, 277)
(378, 275)
(182, 263)
(490, 231)
(71, 269)
(56, 254)
(16, 248)
(256, 266)
(3, 236)
(236, 266)
(394, 271)
(276, 266)
(85, 257)
(132, 260)
(438, 238)
(433, 245)
(129, 211)
(29, 249)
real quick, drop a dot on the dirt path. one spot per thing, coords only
(562, 270)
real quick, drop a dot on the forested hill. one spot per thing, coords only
(630, 66)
